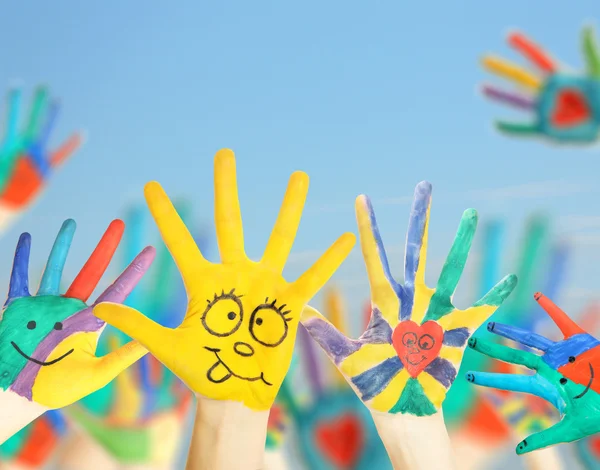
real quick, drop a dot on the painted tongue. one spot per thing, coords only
(218, 373)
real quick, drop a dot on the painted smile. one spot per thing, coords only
(219, 372)
(40, 363)
(415, 363)
(589, 383)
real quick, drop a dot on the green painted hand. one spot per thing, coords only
(578, 405)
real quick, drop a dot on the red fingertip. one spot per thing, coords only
(93, 270)
(66, 150)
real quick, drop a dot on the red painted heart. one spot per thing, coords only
(571, 109)
(340, 440)
(417, 345)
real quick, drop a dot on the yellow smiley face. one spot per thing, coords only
(238, 335)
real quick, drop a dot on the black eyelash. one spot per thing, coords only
(224, 295)
(279, 309)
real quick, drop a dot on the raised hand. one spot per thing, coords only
(408, 357)
(578, 405)
(237, 338)
(25, 160)
(48, 340)
(334, 429)
(566, 106)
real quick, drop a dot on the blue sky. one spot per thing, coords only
(366, 97)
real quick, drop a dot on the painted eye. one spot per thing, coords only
(223, 315)
(563, 381)
(268, 325)
(31, 325)
(571, 359)
(426, 342)
(409, 339)
(58, 326)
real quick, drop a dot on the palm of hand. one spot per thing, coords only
(567, 107)
(407, 359)
(47, 341)
(558, 380)
(237, 337)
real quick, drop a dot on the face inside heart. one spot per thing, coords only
(417, 345)
(571, 109)
(341, 440)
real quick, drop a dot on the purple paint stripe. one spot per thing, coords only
(442, 370)
(509, 98)
(82, 321)
(335, 344)
(311, 361)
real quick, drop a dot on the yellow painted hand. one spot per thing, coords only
(236, 340)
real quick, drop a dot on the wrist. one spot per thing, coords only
(408, 440)
(227, 435)
(16, 412)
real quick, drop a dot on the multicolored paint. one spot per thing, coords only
(409, 355)
(25, 161)
(334, 430)
(539, 262)
(567, 106)
(34, 445)
(49, 339)
(578, 405)
(237, 337)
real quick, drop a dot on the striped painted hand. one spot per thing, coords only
(408, 357)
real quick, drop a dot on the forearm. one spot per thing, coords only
(16, 412)
(275, 460)
(415, 443)
(227, 436)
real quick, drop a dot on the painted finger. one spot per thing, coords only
(94, 268)
(12, 118)
(174, 233)
(532, 384)
(591, 52)
(381, 281)
(50, 283)
(549, 437)
(518, 129)
(513, 99)
(38, 106)
(526, 338)
(457, 258)
(534, 53)
(66, 150)
(506, 69)
(228, 216)
(118, 291)
(111, 365)
(567, 326)
(506, 354)
(283, 234)
(19, 277)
